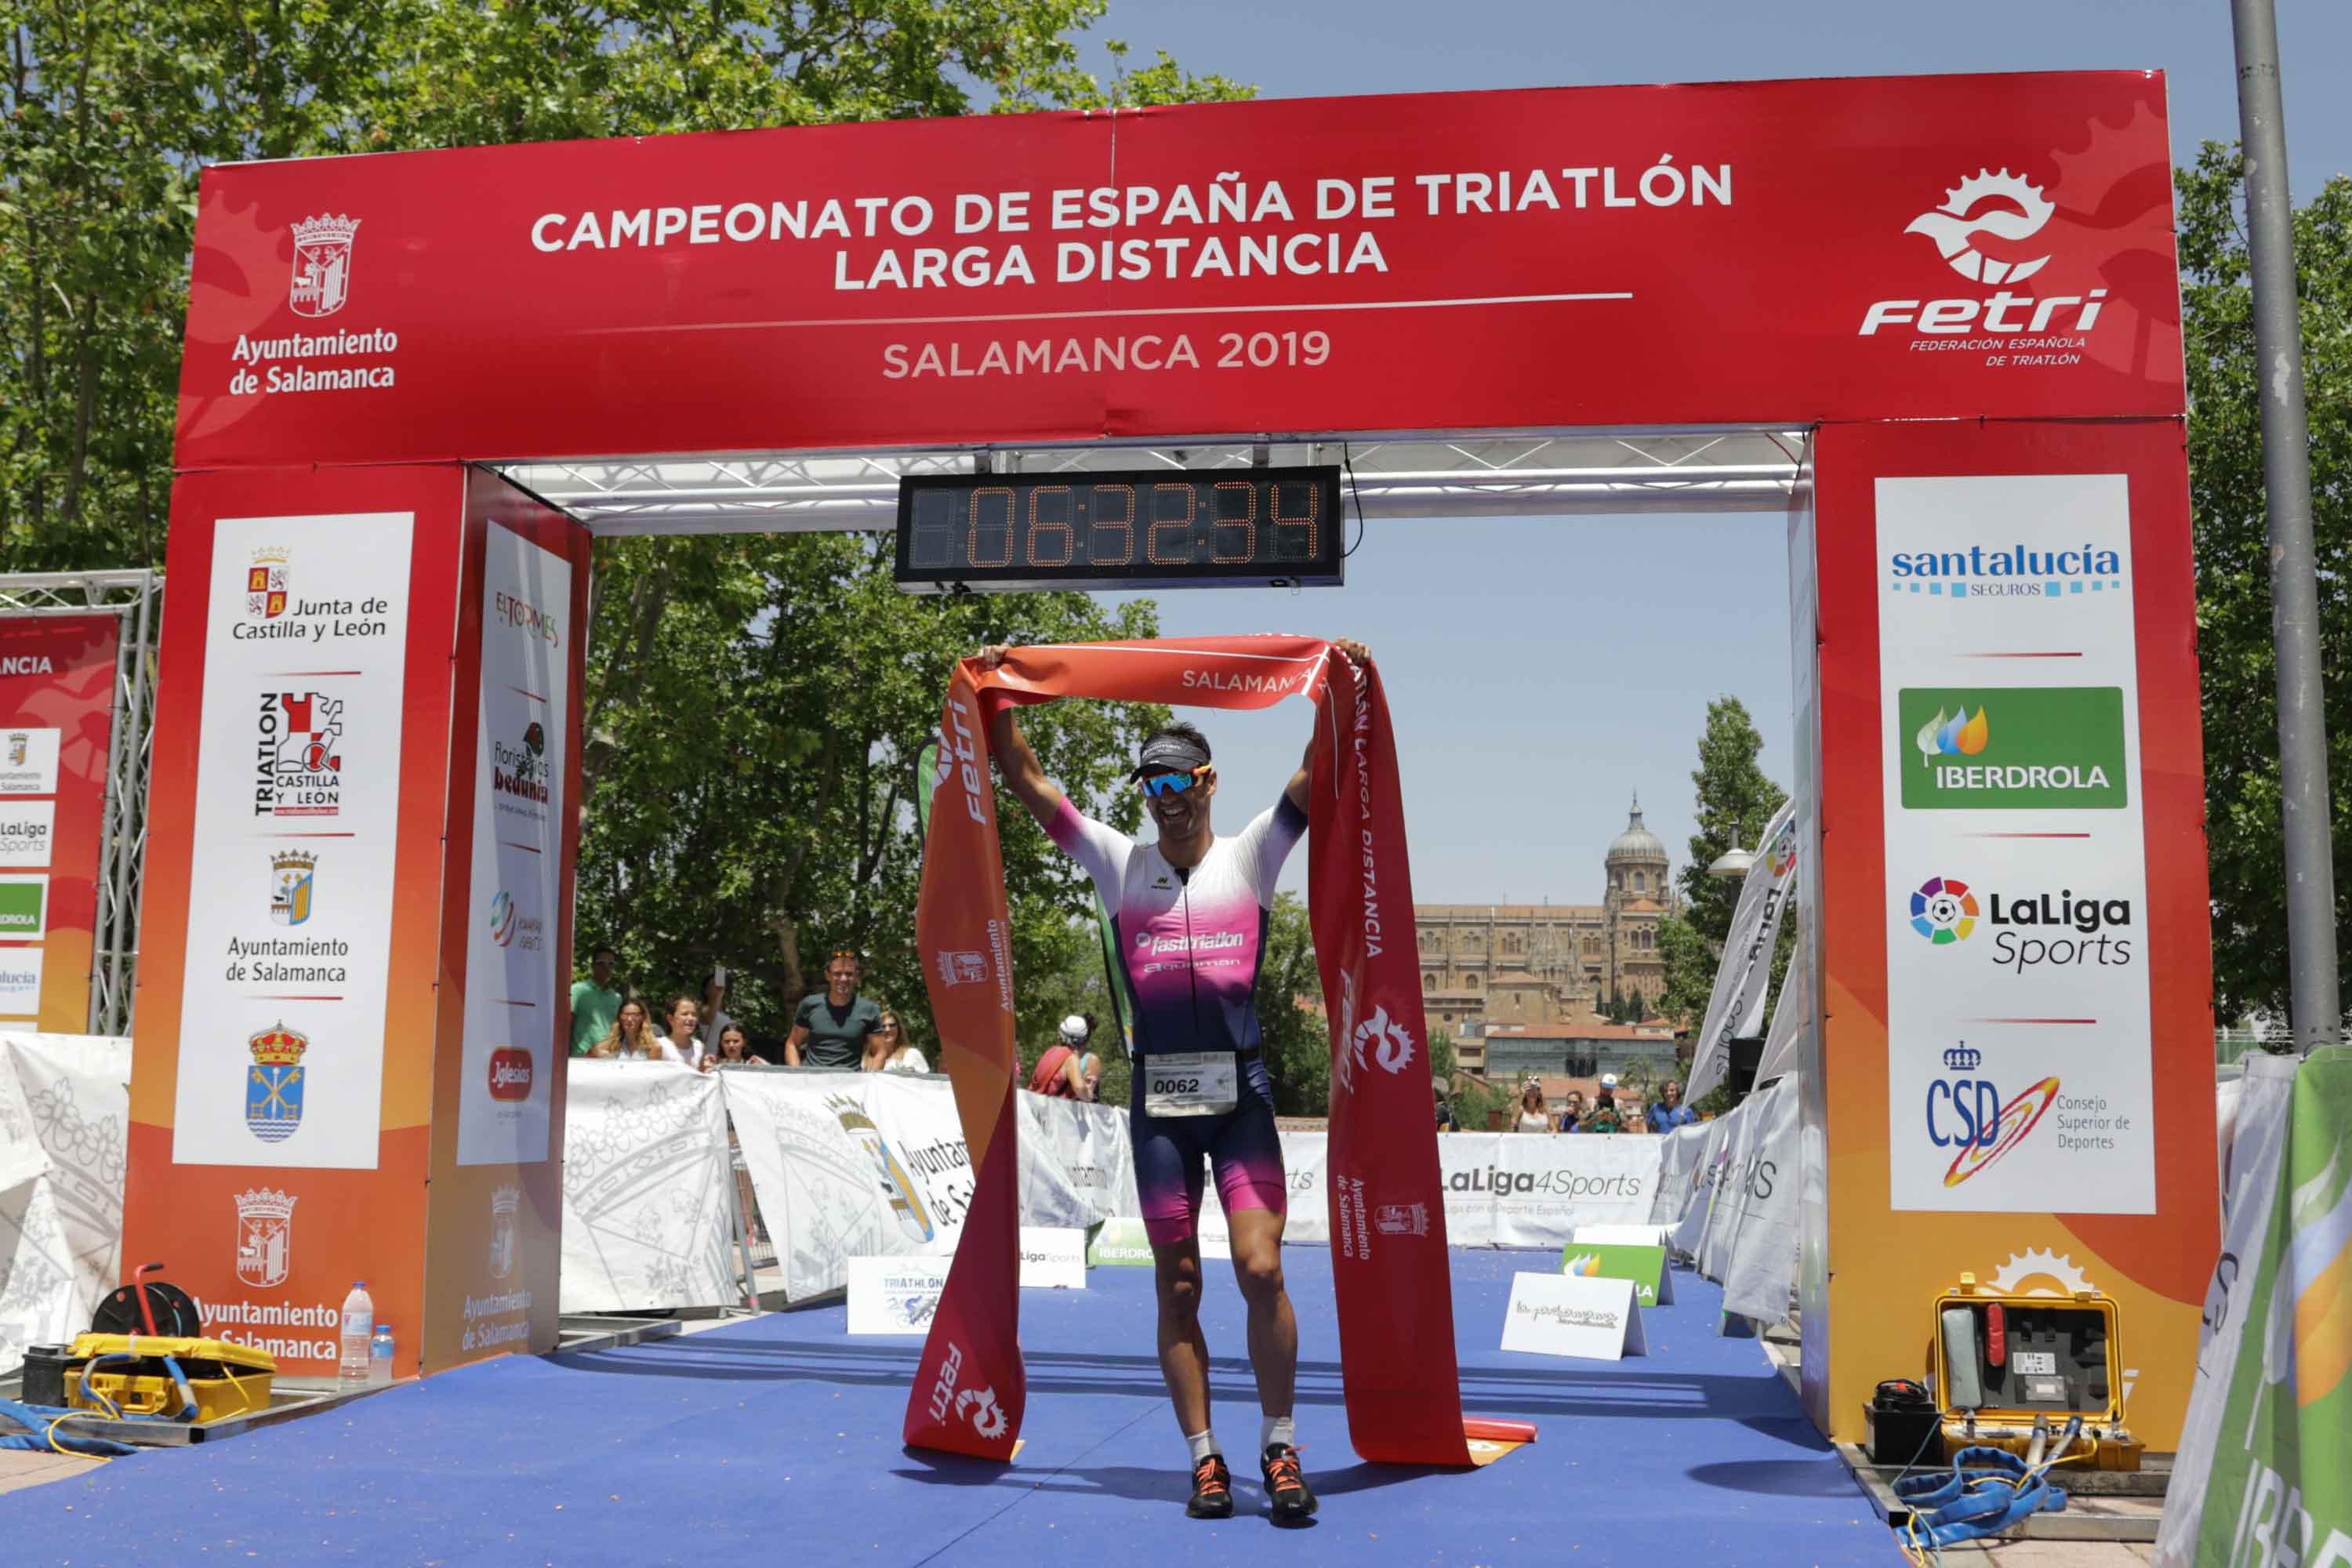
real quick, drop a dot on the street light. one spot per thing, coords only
(1732, 864)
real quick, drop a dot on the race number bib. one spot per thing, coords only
(1192, 1083)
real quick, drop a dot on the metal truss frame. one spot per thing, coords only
(1503, 474)
(134, 599)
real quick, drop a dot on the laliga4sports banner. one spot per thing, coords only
(1387, 1208)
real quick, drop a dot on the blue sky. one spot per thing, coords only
(1543, 670)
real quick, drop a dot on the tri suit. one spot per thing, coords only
(1192, 942)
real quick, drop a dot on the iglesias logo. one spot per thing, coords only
(2013, 748)
(502, 918)
(2030, 930)
(509, 1073)
(1988, 230)
(509, 927)
(1969, 1115)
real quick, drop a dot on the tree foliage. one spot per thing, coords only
(1732, 800)
(2233, 593)
(1297, 1038)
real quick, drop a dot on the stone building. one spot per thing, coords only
(1544, 967)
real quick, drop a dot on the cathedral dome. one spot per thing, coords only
(1637, 842)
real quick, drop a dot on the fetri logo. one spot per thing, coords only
(1954, 226)
(1944, 910)
(511, 1073)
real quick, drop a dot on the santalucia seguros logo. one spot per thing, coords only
(1560, 1182)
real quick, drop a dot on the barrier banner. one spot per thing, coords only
(852, 1164)
(1076, 1165)
(64, 1100)
(1395, 1306)
(1714, 1154)
(1678, 1172)
(2265, 1470)
(645, 1215)
(57, 721)
(1760, 1250)
(1542, 1188)
(1747, 965)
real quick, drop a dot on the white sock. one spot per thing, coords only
(1273, 1429)
(1203, 1444)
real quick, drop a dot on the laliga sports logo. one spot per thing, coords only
(1954, 230)
(1944, 910)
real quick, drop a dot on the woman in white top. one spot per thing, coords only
(886, 1049)
(1533, 1116)
(684, 1043)
(632, 1037)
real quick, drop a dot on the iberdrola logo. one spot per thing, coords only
(1958, 736)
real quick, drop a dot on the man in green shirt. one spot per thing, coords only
(595, 1002)
(830, 1029)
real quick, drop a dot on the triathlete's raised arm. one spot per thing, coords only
(1023, 774)
(1357, 655)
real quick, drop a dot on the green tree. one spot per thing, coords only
(1733, 799)
(2234, 598)
(1689, 963)
(1297, 1037)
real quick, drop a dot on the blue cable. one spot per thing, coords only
(42, 1435)
(1988, 1490)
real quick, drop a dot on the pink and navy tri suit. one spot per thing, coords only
(1193, 941)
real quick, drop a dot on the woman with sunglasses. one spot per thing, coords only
(1189, 911)
(886, 1049)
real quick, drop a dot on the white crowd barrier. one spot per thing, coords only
(647, 1216)
(1739, 1222)
(65, 1130)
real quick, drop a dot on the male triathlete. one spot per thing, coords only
(1190, 915)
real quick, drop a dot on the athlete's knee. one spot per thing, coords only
(1179, 1287)
(1259, 1273)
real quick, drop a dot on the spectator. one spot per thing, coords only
(1445, 1122)
(685, 1044)
(1604, 1108)
(1571, 1111)
(715, 1016)
(1533, 1116)
(1670, 1112)
(1067, 1070)
(734, 1050)
(632, 1037)
(888, 1050)
(595, 1002)
(830, 1029)
(1630, 1117)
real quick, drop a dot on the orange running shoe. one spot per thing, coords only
(1285, 1485)
(1212, 1490)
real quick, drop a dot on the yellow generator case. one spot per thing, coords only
(227, 1380)
(2001, 1363)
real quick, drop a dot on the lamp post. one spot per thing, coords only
(1732, 865)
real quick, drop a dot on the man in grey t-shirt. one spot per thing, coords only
(830, 1029)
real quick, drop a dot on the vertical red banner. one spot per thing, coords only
(1388, 1219)
(57, 722)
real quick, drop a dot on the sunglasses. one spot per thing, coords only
(885, 1028)
(1176, 783)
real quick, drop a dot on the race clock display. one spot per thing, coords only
(1229, 528)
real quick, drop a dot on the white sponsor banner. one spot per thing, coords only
(1677, 1175)
(1792, 1016)
(1544, 1187)
(851, 1164)
(1619, 1236)
(20, 983)
(282, 1007)
(61, 1228)
(1707, 1172)
(1076, 1164)
(647, 1218)
(1053, 1258)
(1759, 1255)
(895, 1295)
(29, 760)
(506, 1092)
(2017, 989)
(2257, 1153)
(1573, 1315)
(29, 832)
(1747, 967)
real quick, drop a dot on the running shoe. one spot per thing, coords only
(1285, 1484)
(1212, 1490)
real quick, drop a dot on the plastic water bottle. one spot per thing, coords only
(380, 1357)
(359, 1326)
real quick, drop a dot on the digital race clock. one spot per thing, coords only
(1149, 528)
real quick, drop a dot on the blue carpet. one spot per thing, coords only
(777, 1440)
